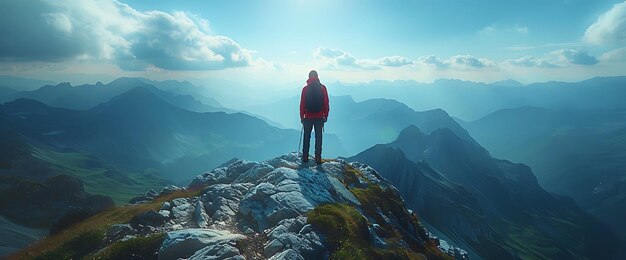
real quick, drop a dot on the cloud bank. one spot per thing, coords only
(610, 27)
(53, 31)
(339, 59)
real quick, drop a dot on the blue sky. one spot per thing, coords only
(352, 41)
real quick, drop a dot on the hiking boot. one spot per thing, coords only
(305, 158)
(318, 159)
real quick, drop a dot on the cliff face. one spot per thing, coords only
(278, 209)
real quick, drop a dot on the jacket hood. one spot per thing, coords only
(311, 80)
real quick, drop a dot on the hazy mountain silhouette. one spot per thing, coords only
(507, 83)
(87, 96)
(363, 124)
(138, 130)
(6, 91)
(530, 221)
(576, 153)
(472, 100)
(23, 84)
(446, 206)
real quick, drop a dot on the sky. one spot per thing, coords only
(276, 43)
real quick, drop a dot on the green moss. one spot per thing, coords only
(345, 229)
(77, 247)
(137, 248)
(352, 177)
(376, 200)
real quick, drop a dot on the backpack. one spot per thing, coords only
(314, 97)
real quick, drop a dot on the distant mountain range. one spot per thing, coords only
(137, 130)
(363, 124)
(472, 100)
(492, 206)
(23, 84)
(85, 97)
(581, 154)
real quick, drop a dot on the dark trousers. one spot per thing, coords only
(309, 124)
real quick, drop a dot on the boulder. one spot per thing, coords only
(222, 175)
(200, 216)
(148, 218)
(288, 254)
(169, 189)
(185, 243)
(148, 196)
(119, 231)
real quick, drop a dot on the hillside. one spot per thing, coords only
(575, 153)
(504, 199)
(137, 130)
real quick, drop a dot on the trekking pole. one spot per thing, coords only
(300, 142)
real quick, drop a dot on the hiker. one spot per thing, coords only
(313, 114)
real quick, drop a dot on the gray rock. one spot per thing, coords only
(254, 174)
(166, 206)
(148, 218)
(165, 213)
(185, 243)
(272, 247)
(222, 175)
(288, 254)
(201, 218)
(286, 193)
(217, 251)
(118, 231)
(181, 209)
(169, 190)
(148, 196)
(222, 200)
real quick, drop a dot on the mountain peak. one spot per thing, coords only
(507, 83)
(126, 81)
(292, 206)
(135, 99)
(410, 132)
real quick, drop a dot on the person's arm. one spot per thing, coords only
(326, 107)
(302, 103)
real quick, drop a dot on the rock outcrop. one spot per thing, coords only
(263, 210)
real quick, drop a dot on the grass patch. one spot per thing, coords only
(353, 176)
(136, 248)
(98, 176)
(376, 200)
(97, 223)
(345, 229)
(77, 247)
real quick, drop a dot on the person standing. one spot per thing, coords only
(314, 108)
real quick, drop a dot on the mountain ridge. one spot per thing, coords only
(507, 194)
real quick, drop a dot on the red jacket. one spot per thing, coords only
(325, 107)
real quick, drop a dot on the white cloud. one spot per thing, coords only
(469, 61)
(530, 61)
(575, 57)
(434, 62)
(109, 30)
(494, 29)
(610, 27)
(488, 29)
(614, 55)
(335, 57)
(521, 29)
(339, 59)
(554, 59)
(394, 61)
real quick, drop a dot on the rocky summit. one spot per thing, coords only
(277, 209)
